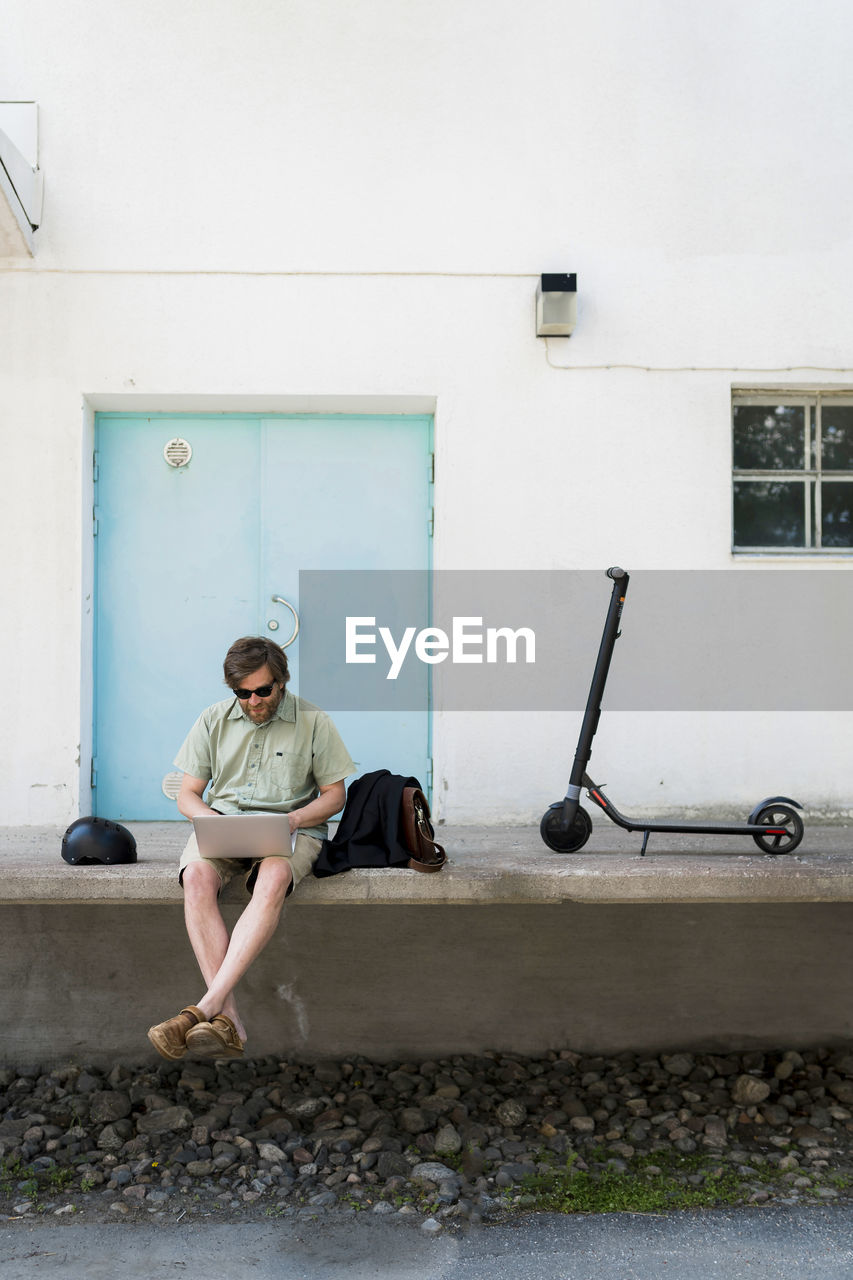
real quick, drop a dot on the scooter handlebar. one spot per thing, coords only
(616, 573)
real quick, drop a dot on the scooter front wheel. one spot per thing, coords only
(565, 841)
(781, 816)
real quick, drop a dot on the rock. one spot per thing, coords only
(748, 1091)
(842, 1090)
(328, 1073)
(432, 1227)
(573, 1106)
(88, 1083)
(432, 1171)
(222, 1148)
(109, 1105)
(678, 1064)
(13, 1128)
(805, 1135)
(304, 1108)
(403, 1081)
(725, 1066)
(447, 1141)
(715, 1132)
(109, 1139)
(473, 1163)
(324, 1200)
(511, 1113)
(269, 1151)
(413, 1120)
(389, 1164)
(169, 1120)
(227, 1136)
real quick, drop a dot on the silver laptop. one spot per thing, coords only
(243, 835)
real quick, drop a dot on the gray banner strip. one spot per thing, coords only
(757, 640)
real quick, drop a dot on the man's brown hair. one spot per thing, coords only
(251, 653)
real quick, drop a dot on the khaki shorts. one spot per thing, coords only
(305, 854)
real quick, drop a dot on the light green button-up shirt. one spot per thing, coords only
(266, 768)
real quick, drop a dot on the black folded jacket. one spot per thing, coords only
(369, 833)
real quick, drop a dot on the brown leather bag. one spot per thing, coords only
(418, 832)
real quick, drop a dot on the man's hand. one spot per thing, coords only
(330, 801)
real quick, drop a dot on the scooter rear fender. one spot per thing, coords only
(772, 800)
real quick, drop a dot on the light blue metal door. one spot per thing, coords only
(190, 556)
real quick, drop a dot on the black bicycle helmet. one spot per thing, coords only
(91, 840)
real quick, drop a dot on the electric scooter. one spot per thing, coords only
(774, 823)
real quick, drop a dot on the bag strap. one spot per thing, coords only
(418, 832)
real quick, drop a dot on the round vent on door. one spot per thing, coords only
(171, 785)
(178, 452)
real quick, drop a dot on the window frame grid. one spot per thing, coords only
(811, 477)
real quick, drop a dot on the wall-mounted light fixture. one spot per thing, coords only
(556, 305)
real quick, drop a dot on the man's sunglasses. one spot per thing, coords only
(262, 691)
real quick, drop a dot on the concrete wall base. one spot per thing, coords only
(394, 983)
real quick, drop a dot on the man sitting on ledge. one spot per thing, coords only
(261, 750)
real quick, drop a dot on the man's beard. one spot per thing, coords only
(268, 708)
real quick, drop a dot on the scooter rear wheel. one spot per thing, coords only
(779, 815)
(562, 841)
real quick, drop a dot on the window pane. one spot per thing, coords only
(836, 514)
(768, 438)
(769, 513)
(837, 438)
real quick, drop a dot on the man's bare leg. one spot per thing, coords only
(207, 931)
(222, 961)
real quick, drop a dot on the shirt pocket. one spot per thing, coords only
(290, 772)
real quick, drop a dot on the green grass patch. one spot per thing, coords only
(17, 1179)
(11, 1172)
(652, 1183)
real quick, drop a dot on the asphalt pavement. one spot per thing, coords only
(777, 1243)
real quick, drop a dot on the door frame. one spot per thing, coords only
(94, 403)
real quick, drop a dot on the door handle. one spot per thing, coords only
(273, 622)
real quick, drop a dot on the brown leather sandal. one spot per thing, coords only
(169, 1038)
(215, 1039)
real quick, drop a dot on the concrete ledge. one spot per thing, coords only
(487, 866)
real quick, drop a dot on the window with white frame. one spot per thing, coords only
(792, 460)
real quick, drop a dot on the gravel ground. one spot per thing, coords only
(439, 1144)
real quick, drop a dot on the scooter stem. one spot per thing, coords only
(596, 690)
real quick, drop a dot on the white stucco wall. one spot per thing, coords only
(314, 204)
